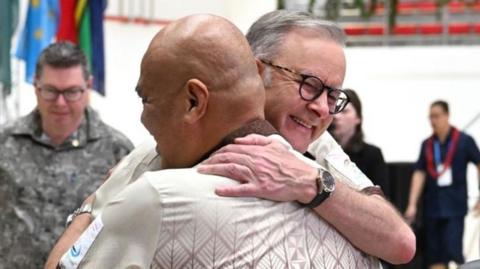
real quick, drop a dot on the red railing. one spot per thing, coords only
(413, 29)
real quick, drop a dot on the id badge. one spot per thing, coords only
(72, 258)
(445, 179)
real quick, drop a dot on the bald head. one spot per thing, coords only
(206, 47)
(201, 70)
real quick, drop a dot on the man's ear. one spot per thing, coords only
(260, 67)
(35, 83)
(89, 88)
(197, 100)
(90, 82)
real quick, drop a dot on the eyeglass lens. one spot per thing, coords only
(51, 94)
(312, 87)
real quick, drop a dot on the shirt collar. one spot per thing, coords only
(258, 126)
(91, 128)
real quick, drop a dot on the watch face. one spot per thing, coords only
(328, 181)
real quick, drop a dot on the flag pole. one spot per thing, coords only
(3, 110)
(472, 121)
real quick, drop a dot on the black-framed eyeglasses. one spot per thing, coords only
(49, 93)
(311, 87)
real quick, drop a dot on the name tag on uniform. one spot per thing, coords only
(72, 258)
(445, 178)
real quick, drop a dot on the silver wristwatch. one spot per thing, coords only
(86, 208)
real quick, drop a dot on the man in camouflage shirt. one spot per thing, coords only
(51, 159)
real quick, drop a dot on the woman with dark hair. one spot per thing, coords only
(348, 132)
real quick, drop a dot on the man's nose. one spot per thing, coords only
(60, 101)
(320, 106)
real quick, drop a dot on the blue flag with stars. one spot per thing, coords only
(40, 29)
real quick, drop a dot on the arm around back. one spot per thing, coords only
(269, 170)
(128, 230)
(370, 222)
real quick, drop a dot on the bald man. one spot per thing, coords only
(172, 218)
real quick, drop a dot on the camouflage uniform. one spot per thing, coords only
(42, 183)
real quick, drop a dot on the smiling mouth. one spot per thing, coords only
(301, 122)
(60, 113)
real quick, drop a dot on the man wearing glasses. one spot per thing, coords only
(302, 63)
(303, 66)
(55, 156)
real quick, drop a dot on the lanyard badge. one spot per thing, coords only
(438, 170)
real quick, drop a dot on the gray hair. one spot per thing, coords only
(267, 33)
(62, 54)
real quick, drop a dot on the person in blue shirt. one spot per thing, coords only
(441, 170)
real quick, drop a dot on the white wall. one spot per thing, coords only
(243, 13)
(397, 85)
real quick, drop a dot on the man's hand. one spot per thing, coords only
(476, 208)
(266, 169)
(410, 214)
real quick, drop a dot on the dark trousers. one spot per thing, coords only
(444, 240)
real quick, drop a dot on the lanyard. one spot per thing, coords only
(433, 154)
(437, 152)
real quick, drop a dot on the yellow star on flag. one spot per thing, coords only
(39, 33)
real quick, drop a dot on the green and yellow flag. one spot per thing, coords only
(89, 21)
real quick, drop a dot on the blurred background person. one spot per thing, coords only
(441, 172)
(55, 156)
(347, 130)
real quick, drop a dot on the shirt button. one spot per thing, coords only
(75, 143)
(346, 162)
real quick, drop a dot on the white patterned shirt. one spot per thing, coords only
(173, 219)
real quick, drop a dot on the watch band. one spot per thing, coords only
(321, 193)
(86, 208)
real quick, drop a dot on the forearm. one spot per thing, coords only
(78, 225)
(68, 238)
(370, 223)
(72, 233)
